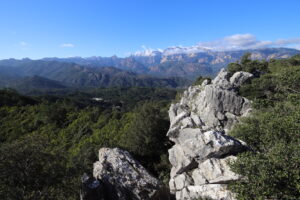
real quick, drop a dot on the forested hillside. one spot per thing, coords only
(272, 167)
(47, 142)
(47, 75)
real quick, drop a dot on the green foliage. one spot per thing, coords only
(56, 137)
(178, 96)
(234, 67)
(62, 134)
(271, 169)
(147, 132)
(10, 97)
(246, 64)
(200, 80)
(146, 137)
(30, 171)
(279, 84)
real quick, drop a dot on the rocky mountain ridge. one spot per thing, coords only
(199, 126)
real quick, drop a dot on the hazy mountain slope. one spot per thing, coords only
(74, 75)
(34, 83)
(129, 63)
(93, 71)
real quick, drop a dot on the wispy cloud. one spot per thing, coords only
(23, 44)
(147, 51)
(246, 41)
(67, 45)
(228, 43)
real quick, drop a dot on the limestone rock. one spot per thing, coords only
(213, 191)
(222, 80)
(124, 178)
(214, 171)
(239, 78)
(199, 124)
(181, 181)
(194, 145)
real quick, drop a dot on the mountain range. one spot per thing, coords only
(164, 68)
(39, 74)
(179, 61)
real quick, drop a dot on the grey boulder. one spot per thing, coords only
(124, 178)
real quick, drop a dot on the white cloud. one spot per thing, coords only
(67, 45)
(246, 41)
(146, 51)
(23, 43)
(228, 43)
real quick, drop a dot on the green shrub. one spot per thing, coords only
(29, 170)
(271, 169)
(255, 67)
(200, 80)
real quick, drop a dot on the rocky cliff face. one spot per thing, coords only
(199, 126)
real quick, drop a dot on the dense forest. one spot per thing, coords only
(48, 141)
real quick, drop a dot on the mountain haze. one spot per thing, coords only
(55, 74)
(173, 68)
(179, 61)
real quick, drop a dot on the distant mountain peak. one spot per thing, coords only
(234, 42)
(171, 50)
(148, 52)
(187, 62)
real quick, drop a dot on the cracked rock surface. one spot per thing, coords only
(199, 124)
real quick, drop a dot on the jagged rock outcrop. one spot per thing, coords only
(123, 178)
(199, 124)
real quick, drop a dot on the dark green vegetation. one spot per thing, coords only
(255, 67)
(48, 142)
(272, 168)
(200, 80)
(28, 75)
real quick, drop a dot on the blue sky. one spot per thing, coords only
(63, 28)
